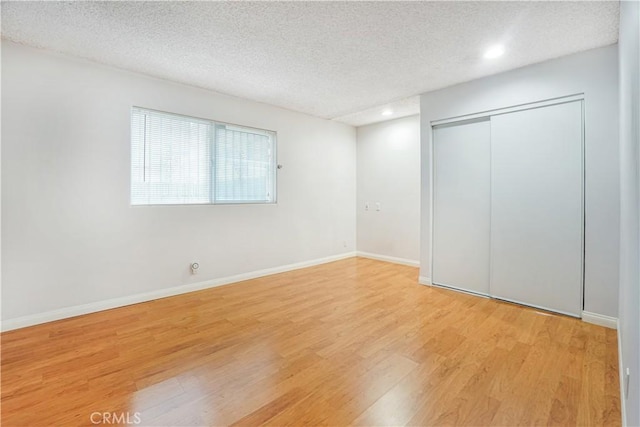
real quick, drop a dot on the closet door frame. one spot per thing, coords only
(488, 114)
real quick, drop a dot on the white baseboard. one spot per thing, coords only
(621, 372)
(424, 280)
(600, 319)
(395, 260)
(78, 310)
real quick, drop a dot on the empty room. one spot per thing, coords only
(373, 213)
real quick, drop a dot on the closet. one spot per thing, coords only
(508, 216)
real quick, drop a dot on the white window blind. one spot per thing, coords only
(184, 160)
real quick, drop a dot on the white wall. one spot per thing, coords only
(69, 235)
(594, 73)
(629, 324)
(388, 172)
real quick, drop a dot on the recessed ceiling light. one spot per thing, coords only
(387, 112)
(494, 52)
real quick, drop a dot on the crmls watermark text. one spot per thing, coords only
(115, 418)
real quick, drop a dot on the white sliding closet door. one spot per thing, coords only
(537, 207)
(461, 205)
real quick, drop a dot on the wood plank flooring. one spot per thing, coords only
(355, 342)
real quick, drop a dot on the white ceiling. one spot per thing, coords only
(337, 60)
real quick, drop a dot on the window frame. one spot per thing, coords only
(214, 124)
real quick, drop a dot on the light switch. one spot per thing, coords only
(366, 206)
(378, 206)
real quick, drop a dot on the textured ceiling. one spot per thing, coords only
(337, 60)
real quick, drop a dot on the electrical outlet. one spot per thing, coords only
(344, 243)
(194, 267)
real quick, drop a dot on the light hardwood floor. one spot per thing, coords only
(356, 341)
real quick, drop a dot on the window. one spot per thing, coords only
(184, 160)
